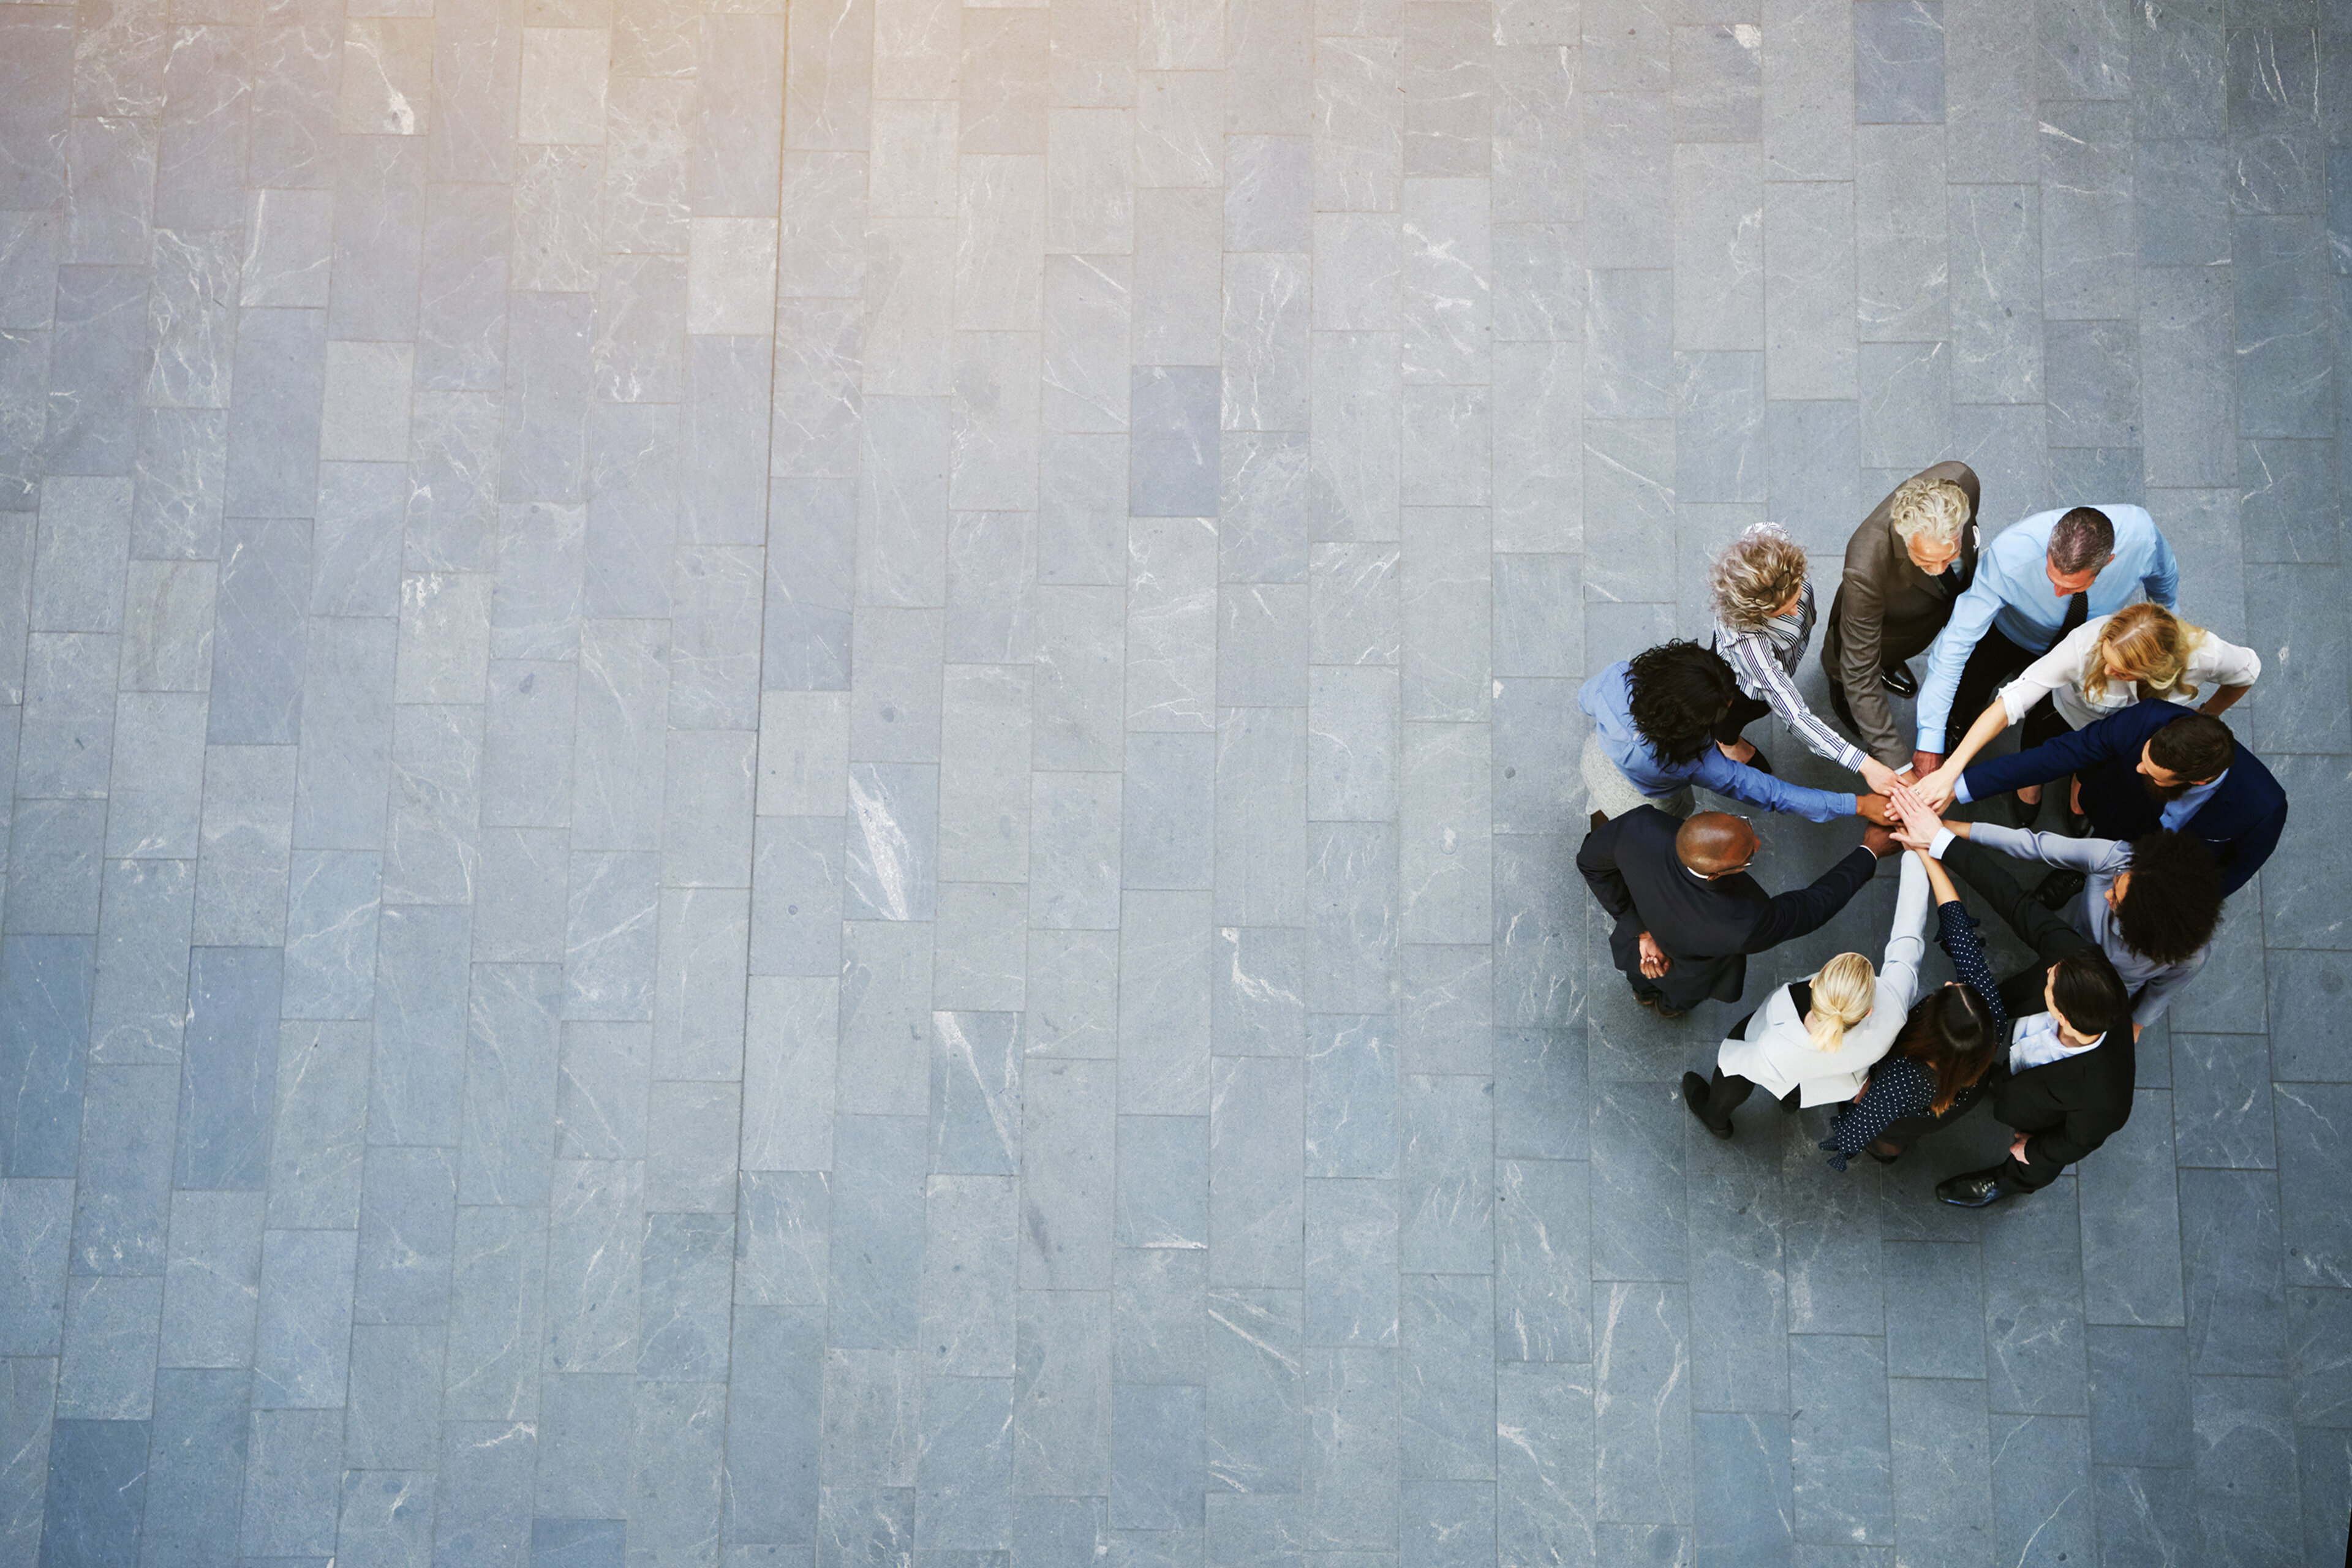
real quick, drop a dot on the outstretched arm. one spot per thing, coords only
(1906, 940)
(1738, 780)
(1940, 785)
(2088, 856)
(1972, 613)
(1801, 911)
(2078, 751)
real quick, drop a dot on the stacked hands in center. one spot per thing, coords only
(2066, 623)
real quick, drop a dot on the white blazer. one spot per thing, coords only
(1779, 1055)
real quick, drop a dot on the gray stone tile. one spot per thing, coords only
(779, 1353)
(301, 1356)
(212, 1282)
(1543, 1489)
(106, 1372)
(1255, 1200)
(407, 1209)
(260, 643)
(1899, 48)
(139, 1004)
(196, 1460)
(886, 1000)
(123, 1196)
(97, 1488)
(1838, 1449)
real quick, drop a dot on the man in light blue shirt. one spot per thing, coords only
(2037, 580)
(1652, 735)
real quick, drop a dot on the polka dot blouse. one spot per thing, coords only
(1900, 1086)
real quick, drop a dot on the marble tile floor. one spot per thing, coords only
(795, 786)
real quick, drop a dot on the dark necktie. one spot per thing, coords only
(2078, 610)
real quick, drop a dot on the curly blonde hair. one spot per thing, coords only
(2151, 644)
(1759, 572)
(1844, 992)
(1933, 509)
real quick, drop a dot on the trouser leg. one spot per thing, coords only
(1993, 663)
(1745, 711)
(1726, 1092)
(2017, 1174)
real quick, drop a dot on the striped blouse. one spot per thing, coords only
(1765, 661)
(1902, 1085)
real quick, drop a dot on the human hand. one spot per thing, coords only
(1655, 962)
(1938, 789)
(1878, 776)
(1879, 841)
(1925, 762)
(1872, 809)
(1921, 822)
(2017, 1148)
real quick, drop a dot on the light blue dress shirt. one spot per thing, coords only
(2189, 802)
(2013, 592)
(1608, 698)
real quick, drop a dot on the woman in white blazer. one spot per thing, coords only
(1813, 1040)
(2142, 653)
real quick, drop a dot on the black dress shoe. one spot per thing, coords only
(1898, 678)
(1694, 1092)
(2059, 888)
(1976, 1190)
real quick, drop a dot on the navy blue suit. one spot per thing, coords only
(2241, 823)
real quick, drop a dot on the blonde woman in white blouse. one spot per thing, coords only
(2141, 653)
(1817, 1038)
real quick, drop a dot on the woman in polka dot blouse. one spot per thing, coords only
(1935, 1070)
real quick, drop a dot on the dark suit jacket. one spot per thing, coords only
(2241, 823)
(1887, 610)
(2071, 1105)
(1706, 928)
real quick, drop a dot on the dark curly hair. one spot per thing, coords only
(2173, 900)
(1678, 691)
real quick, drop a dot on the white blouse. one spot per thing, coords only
(2212, 664)
(1778, 1054)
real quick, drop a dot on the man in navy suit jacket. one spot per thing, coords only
(2156, 765)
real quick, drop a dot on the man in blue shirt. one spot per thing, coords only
(1653, 735)
(2037, 580)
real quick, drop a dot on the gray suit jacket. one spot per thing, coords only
(1887, 610)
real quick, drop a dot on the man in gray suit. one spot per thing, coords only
(1904, 566)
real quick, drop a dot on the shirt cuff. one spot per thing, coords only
(1941, 842)
(1960, 790)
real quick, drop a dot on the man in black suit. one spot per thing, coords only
(2157, 765)
(2065, 1083)
(1688, 913)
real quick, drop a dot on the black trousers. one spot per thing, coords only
(1993, 664)
(1745, 711)
(1727, 1091)
(2043, 930)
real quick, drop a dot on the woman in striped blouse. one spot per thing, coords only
(1934, 1072)
(1763, 605)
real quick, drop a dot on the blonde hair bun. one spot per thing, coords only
(1844, 994)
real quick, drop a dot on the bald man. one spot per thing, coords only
(1688, 912)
